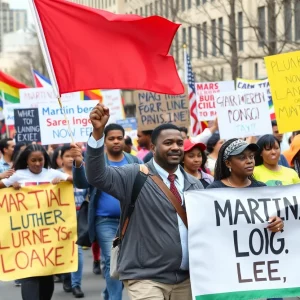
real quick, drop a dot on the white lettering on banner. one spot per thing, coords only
(54, 126)
(243, 113)
(205, 93)
(232, 253)
(35, 96)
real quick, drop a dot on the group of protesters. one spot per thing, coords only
(153, 261)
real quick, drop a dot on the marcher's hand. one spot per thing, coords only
(251, 139)
(7, 174)
(76, 154)
(276, 224)
(99, 117)
(56, 181)
(215, 126)
(16, 185)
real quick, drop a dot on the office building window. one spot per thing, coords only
(288, 20)
(183, 36)
(240, 71)
(177, 48)
(156, 7)
(141, 11)
(198, 2)
(189, 5)
(190, 45)
(256, 71)
(261, 26)
(240, 31)
(214, 37)
(221, 36)
(204, 26)
(146, 10)
(222, 74)
(151, 9)
(297, 20)
(183, 4)
(198, 29)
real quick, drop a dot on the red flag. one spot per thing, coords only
(95, 49)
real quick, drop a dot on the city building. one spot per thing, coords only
(224, 41)
(11, 19)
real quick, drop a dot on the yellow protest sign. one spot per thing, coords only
(284, 77)
(38, 231)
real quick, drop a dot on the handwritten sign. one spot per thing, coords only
(8, 111)
(205, 92)
(155, 109)
(243, 113)
(27, 125)
(34, 96)
(245, 84)
(54, 126)
(38, 231)
(113, 100)
(232, 253)
(283, 72)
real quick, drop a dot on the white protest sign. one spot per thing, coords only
(244, 84)
(35, 96)
(8, 111)
(243, 113)
(205, 92)
(113, 100)
(54, 127)
(232, 253)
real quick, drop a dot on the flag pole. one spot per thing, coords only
(3, 101)
(48, 61)
(186, 76)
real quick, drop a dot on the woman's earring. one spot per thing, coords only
(229, 170)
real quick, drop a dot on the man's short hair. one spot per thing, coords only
(183, 129)
(156, 132)
(113, 126)
(128, 141)
(274, 123)
(147, 132)
(4, 144)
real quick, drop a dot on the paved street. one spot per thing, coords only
(92, 285)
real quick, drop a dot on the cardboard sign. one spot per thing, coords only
(243, 113)
(244, 84)
(34, 96)
(154, 109)
(27, 125)
(205, 92)
(232, 253)
(38, 231)
(283, 72)
(55, 128)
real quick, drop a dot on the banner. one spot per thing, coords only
(243, 113)
(54, 127)
(232, 253)
(283, 72)
(27, 125)
(34, 96)
(154, 109)
(205, 92)
(38, 231)
(244, 84)
(128, 124)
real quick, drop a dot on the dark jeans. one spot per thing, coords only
(37, 288)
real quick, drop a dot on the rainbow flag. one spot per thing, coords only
(9, 88)
(91, 95)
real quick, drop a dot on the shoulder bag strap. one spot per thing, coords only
(140, 179)
(179, 209)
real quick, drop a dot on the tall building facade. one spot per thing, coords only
(225, 39)
(11, 19)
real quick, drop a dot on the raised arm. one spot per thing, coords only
(117, 182)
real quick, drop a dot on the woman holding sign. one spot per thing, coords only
(234, 169)
(33, 168)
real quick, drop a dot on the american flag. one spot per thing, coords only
(196, 126)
